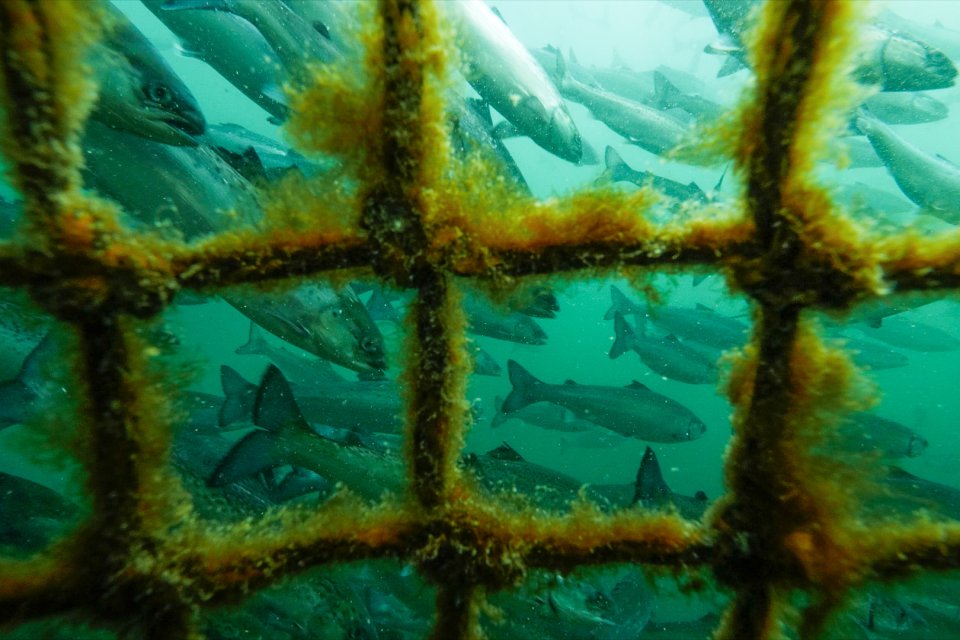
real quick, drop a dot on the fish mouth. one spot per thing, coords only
(186, 125)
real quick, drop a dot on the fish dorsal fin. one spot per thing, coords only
(703, 307)
(568, 381)
(239, 397)
(650, 486)
(636, 384)
(497, 13)
(505, 452)
(352, 439)
(275, 408)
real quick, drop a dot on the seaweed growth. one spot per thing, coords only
(419, 224)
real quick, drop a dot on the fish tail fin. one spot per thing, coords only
(239, 396)
(620, 302)
(255, 452)
(665, 93)
(624, 336)
(276, 413)
(256, 344)
(650, 487)
(523, 383)
(617, 168)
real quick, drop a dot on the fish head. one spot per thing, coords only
(527, 331)
(339, 328)
(693, 429)
(140, 93)
(565, 138)
(911, 65)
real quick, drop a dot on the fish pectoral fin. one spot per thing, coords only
(293, 325)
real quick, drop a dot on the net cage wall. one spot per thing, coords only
(785, 541)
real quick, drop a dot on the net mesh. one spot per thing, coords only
(142, 560)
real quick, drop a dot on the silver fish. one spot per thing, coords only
(619, 171)
(189, 188)
(633, 411)
(666, 356)
(139, 93)
(511, 326)
(698, 324)
(234, 48)
(506, 75)
(906, 107)
(332, 324)
(640, 124)
(931, 182)
(361, 407)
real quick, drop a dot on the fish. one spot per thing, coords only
(666, 356)
(233, 47)
(284, 437)
(503, 470)
(138, 92)
(873, 355)
(543, 415)
(472, 132)
(642, 125)
(875, 201)
(941, 37)
(191, 191)
(504, 73)
(895, 61)
(512, 326)
(870, 433)
(668, 96)
(907, 493)
(905, 107)
(698, 324)
(931, 182)
(911, 334)
(32, 516)
(618, 170)
(296, 42)
(22, 396)
(362, 407)
(634, 411)
(301, 371)
(329, 323)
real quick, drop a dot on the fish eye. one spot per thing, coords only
(369, 345)
(159, 93)
(336, 312)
